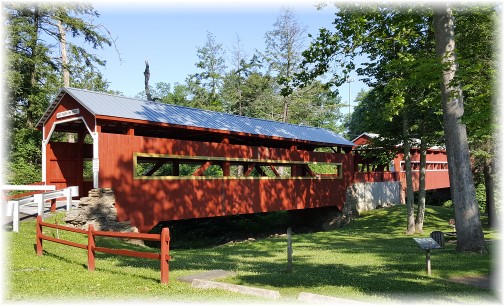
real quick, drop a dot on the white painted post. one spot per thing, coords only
(15, 217)
(39, 199)
(68, 195)
(9, 207)
(44, 157)
(96, 161)
(70, 192)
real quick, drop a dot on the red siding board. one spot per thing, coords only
(145, 202)
(68, 103)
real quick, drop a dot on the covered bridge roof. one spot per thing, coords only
(102, 104)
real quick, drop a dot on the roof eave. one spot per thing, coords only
(50, 109)
(224, 132)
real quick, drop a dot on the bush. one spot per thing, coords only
(448, 203)
(481, 197)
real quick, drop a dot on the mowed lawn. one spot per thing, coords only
(368, 260)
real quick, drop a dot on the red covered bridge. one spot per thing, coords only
(436, 176)
(167, 162)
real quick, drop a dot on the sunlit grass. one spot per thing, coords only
(370, 260)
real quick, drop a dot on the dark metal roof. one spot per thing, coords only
(118, 106)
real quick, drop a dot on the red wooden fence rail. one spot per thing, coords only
(163, 238)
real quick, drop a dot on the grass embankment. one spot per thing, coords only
(369, 260)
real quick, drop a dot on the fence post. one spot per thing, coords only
(165, 255)
(39, 236)
(90, 248)
(53, 205)
(68, 195)
(289, 249)
(15, 216)
(39, 199)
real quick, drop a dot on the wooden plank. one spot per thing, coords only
(154, 168)
(250, 168)
(128, 253)
(28, 187)
(201, 170)
(309, 171)
(260, 170)
(64, 228)
(275, 171)
(65, 242)
(150, 237)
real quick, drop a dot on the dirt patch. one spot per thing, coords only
(477, 281)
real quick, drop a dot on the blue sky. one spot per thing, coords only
(167, 35)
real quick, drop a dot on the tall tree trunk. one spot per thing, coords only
(147, 77)
(64, 66)
(410, 196)
(421, 188)
(467, 217)
(64, 57)
(33, 68)
(285, 112)
(489, 190)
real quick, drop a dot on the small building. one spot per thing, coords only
(168, 162)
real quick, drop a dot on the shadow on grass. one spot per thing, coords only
(371, 255)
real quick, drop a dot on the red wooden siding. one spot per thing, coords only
(65, 165)
(68, 103)
(145, 202)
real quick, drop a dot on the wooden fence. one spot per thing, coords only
(163, 238)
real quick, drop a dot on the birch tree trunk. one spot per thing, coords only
(64, 56)
(421, 189)
(410, 196)
(490, 195)
(467, 218)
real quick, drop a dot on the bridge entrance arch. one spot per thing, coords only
(69, 146)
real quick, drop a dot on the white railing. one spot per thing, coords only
(28, 187)
(12, 208)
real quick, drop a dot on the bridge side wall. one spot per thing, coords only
(145, 202)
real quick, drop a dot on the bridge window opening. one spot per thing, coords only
(112, 129)
(150, 166)
(430, 166)
(327, 169)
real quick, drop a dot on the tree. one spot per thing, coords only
(398, 42)
(476, 56)
(206, 85)
(468, 224)
(35, 39)
(237, 88)
(284, 45)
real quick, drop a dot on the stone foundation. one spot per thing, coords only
(365, 196)
(98, 209)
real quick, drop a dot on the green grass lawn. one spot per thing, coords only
(369, 260)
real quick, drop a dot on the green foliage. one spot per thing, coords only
(448, 204)
(205, 86)
(34, 70)
(481, 197)
(284, 45)
(476, 34)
